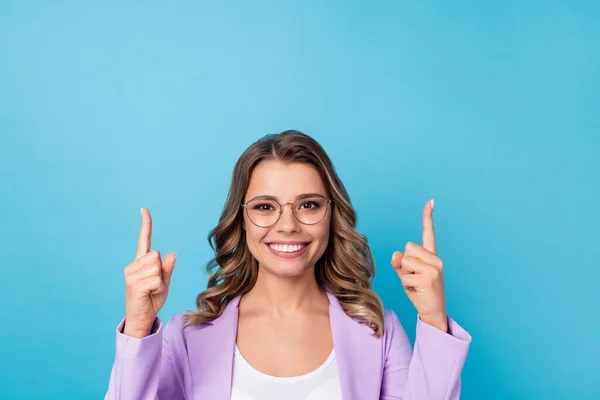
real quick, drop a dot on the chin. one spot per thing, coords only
(288, 269)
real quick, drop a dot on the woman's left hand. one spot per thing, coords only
(422, 276)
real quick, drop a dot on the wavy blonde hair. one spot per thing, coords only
(346, 268)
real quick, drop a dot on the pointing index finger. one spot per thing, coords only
(144, 240)
(428, 231)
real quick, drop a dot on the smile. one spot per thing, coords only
(287, 250)
(284, 248)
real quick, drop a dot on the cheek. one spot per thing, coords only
(253, 237)
(322, 236)
(325, 231)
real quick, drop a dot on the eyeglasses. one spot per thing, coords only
(265, 211)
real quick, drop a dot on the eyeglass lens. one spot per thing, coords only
(308, 210)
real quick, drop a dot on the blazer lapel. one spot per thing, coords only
(211, 346)
(210, 350)
(359, 354)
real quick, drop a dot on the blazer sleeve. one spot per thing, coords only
(146, 368)
(432, 370)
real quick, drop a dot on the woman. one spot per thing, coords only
(289, 311)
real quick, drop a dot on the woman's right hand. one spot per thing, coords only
(147, 281)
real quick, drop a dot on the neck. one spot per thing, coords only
(284, 295)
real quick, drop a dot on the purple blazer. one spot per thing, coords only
(196, 362)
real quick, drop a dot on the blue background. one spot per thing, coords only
(490, 108)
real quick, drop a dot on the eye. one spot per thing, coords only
(310, 205)
(263, 207)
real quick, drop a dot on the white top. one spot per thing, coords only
(250, 384)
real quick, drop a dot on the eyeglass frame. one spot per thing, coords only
(329, 201)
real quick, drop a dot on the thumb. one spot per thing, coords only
(396, 262)
(168, 264)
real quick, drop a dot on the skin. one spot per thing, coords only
(283, 325)
(147, 281)
(422, 274)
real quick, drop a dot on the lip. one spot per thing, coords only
(281, 254)
(290, 242)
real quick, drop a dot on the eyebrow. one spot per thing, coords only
(302, 196)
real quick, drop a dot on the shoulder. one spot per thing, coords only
(390, 321)
(176, 332)
(392, 327)
(177, 324)
(396, 344)
(177, 320)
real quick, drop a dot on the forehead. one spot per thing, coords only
(284, 181)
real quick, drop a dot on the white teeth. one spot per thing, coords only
(287, 248)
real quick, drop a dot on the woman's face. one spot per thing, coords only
(279, 248)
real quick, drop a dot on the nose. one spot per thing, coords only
(287, 222)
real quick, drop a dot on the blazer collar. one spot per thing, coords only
(211, 346)
(359, 354)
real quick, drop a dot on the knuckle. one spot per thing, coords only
(128, 269)
(129, 282)
(434, 273)
(410, 246)
(155, 255)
